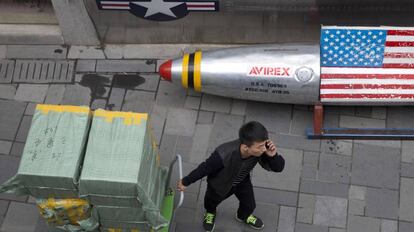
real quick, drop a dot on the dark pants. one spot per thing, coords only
(243, 192)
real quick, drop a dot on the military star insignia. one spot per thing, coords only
(159, 6)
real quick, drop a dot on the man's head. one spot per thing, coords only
(253, 136)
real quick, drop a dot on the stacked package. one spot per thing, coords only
(121, 174)
(54, 150)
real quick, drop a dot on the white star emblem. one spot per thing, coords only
(158, 6)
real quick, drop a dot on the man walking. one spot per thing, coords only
(228, 172)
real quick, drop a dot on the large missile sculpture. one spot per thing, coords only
(352, 65)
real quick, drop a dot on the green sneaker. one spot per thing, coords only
(208, 222)
(253, 221)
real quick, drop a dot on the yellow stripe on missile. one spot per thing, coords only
(197, 71)
(184, 73)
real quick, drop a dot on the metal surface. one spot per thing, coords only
(362, 133)
(270, 73)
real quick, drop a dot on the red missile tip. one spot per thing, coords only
(165, 70)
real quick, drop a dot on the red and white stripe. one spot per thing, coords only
(394, 82)
(115, 5)
(399, 49)
(201, 6)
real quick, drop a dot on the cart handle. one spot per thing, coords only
(180, 171)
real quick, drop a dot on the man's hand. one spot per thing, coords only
(180, 186)
(271, 148)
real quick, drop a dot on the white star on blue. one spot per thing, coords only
(352, 47)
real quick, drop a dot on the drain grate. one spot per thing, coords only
(43, 71)
(6, 70)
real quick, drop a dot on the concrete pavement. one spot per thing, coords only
(327, 185)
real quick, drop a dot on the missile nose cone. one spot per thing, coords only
(165, 70)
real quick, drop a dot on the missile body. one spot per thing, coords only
(286, 74)
(273, 73)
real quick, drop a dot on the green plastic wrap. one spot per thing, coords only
(53, 153)
(121, 166)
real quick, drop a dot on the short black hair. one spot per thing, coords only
(252, 132)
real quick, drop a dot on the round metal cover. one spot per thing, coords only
(304, 74)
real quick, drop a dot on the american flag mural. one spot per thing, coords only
(367, 64)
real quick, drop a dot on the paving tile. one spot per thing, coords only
(300, 227)
(356, 207)
(115, 99)
(334, 168)
(85, 52)
(76, 95)
(215, 103)
(125, 66)
(170, 95)
(336, 230)
(357, 192)
(369, 163)
(158, 118)
(11, 113)
(185, 216)
(225, 128)
(30, 109)
(55, 94)
(300, 121)
(330, 211)
(238, 107)
(4, 205)
(400, 117)
(406, 212)
(341, 147)
(31, 93)
(360, 122)
(382, 203)
(205, 117)
(181, 122)
(151, 82)
(286, 219)
(167, 149)
(366, 224)
(288, 179)
(323, 188)
(85, 66)
(8, 168)
(192, 103)
(24, 128)
(17, 149)
(407, 170)
(20, 218)
(407, 154)
(389, 226)
(98, 104)
(382, 143)
(3, 51)
(406, 226)
(295, 142)
(183, 147)
(199, 148)
(275, 117)
(310, 158)
(184, 227)
(138, 101)
(7, 91)
(274, 196)
(36, 52)
(5, 147)
(309, 173)
(306, 208)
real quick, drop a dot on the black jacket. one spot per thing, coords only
(224, 164)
